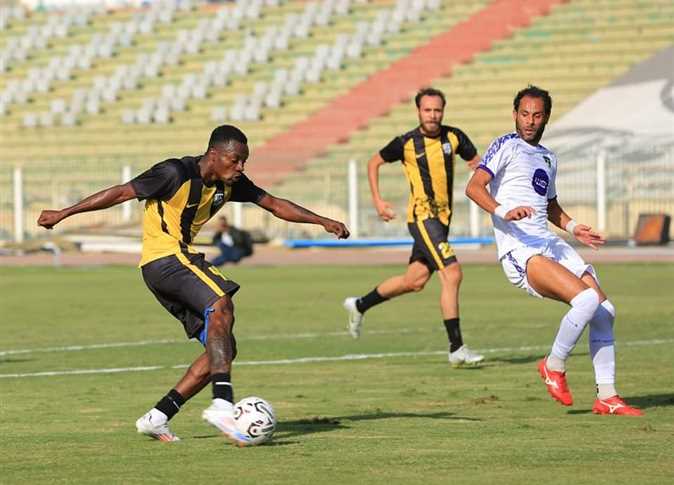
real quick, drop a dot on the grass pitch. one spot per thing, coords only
(396, 414)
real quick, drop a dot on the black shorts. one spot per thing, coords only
(430, 244)
(187, 285)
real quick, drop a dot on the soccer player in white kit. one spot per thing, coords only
(522, 198)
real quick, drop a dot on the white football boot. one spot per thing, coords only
(221, 415)
(152, 424)
(355, 317)
(464, 356)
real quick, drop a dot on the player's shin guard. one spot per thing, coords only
(583, 307)
(602, 349)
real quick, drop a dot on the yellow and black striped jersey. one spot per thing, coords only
(429, 166)
(178, 203)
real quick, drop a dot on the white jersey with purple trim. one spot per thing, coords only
(522, 175)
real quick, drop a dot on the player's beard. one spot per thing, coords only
(533, 139)
(431, 128)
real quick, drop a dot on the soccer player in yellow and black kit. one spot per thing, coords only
(181, 196)
(428, 154)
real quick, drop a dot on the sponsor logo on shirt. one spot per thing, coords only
(540, 181)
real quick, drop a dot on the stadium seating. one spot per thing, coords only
(105, 100)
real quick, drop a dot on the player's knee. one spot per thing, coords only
(587, 301)
(457, 273)
(417, 284)
(452, 275)
(222, 315)
(608, 306)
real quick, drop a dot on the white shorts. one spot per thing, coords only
(515, 262)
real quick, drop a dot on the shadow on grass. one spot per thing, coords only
(474, 367)
(322, 424)
(524, 359)
(14, 360)
(288, 429)
(651, 400)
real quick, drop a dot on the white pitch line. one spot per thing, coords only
(142, 343)
(307, 360)
(84, 371)
(75, 348)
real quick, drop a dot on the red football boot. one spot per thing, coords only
(615, 405)
(556, 384)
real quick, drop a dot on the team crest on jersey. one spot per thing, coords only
(218, 198)
(447, 148)
(548, 161)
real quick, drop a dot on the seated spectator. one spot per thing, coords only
(234, 244)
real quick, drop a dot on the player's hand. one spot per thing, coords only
(519, 213)
(336, 228)
(587, 236)
(385, 210)
(49, 218)
(474, 163)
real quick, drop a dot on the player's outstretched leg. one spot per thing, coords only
(414, 279)
(553, 368)
(550, 279)
(219, 321)
(450, 280)
(154, 423)
(602, 351)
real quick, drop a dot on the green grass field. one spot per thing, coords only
(405, 417)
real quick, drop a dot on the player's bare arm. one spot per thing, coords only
(581, 232)
(291, 212)
(476, 190)
(384, 209)
(100, 200)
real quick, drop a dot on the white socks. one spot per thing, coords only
(602, 349)
(583, 307)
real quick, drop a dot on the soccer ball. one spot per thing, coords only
(255, 418)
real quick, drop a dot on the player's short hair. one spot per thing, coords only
(225, 134)
(429, 92)
(534, 92)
